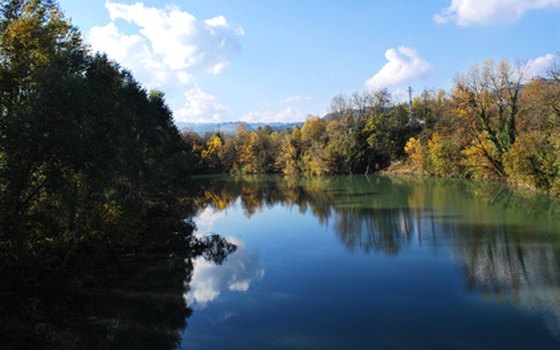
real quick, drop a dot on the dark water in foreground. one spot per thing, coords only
(376, 263)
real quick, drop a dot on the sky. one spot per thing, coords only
(283, 60)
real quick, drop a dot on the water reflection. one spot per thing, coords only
(236, 274)
(507, 244)
(505, 264)
(136, 303)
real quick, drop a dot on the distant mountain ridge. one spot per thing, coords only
(229, 128)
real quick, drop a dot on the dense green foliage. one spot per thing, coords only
(493, 124)
(85, 153)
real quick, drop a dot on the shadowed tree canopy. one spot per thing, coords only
(85, 152)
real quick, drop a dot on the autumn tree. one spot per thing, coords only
(289, 160)
(212, 154)
(487, 101)
(386, 131)
(317, 159)
(430, 107)
(346, 142)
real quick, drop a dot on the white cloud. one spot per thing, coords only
(168, 42)
(287, 115)
(177, 38)
(201, 107)
(404, 64)
(288, 111)
(539, 65)
(293, 99)
(470, 12)
(166, 49)
(132, 52)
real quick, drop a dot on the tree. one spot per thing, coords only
(41, 55)
(86, 153)
(487, 99)
(534, 159)
(314, 130)
(346, 144)
(317, 159)
(430, 107)
(386, 131)
(211, 156)
(289, 159)
(415, 152)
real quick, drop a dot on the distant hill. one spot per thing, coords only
(230, 127)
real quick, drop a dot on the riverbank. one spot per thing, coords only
(406, 168)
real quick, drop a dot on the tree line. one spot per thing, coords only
(494, 123)
(363, 134)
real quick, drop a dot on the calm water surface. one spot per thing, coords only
(375, 263)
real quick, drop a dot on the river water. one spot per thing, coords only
(375, 263)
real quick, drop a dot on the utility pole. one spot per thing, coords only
(410, 116)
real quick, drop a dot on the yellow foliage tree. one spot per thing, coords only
(248, 154)
(440, 157)
(289, 159)
(212, 154)
(415, 152)
(534, 159)
(314, 130)
(479, 158)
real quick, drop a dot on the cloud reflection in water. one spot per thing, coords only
(236, 274)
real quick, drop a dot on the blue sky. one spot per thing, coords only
(272, 60)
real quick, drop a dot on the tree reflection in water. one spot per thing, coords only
(506, 243)
(136, 303)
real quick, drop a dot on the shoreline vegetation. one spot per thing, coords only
(94, 172)
(495, 124)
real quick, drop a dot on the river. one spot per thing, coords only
(320, 263)
(374, 262)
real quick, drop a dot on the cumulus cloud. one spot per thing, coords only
(166, 48)
(201, 107)
(404, 64)
(539, 65)
(133, 53)
(471, 12)
(176, 39)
